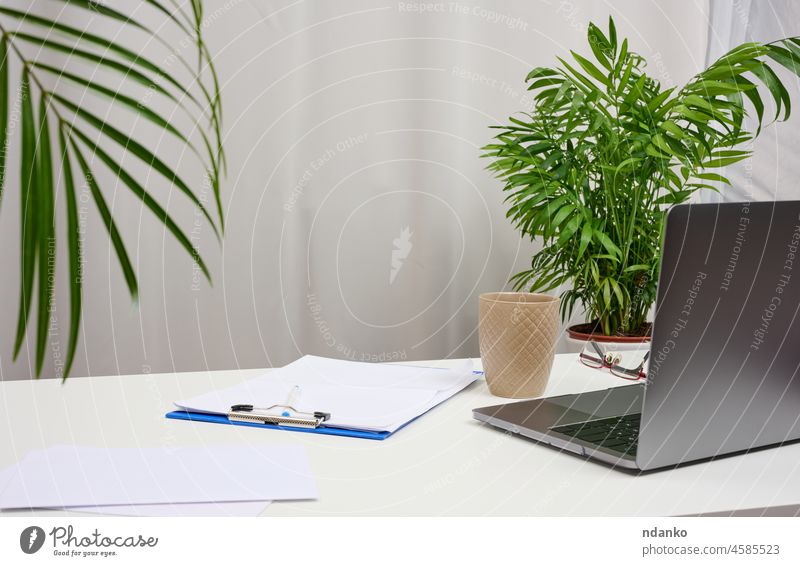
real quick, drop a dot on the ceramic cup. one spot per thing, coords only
(518, 333)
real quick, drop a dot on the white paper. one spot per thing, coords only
(74, 476)
(364, 396)
(312, 370)
(216, 509)
(348, 406)
(221, 509)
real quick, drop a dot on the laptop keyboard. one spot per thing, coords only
(617, 433)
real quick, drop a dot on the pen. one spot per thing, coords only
(294, 397)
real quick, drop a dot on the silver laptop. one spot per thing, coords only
(724, 357)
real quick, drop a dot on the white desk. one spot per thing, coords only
(445, 463)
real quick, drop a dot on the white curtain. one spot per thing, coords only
(773, 171)
(361, 222)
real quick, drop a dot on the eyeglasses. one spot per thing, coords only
(594, 356)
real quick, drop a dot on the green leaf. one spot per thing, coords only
(569, 229)
(622, 57)
(660, 142)
(584, 84)
(785, 58)
(161, 8)
(127, 71)
(607, 243)
(525, 126)
(586, 238)
(146, 199)
(612, 33)
(75, 259)
(562, 215)
(724, 161)
(28, 230)
(673, 129)
(776, 89)
(637, 267)
(545, 82)
(635, 92)
(739, 54)
(654, 104)
(599, 43)
(108, 221)
(711, 88)
(624, 81)
(713, 177)
(103, 10)
(712, 110)
(695, 186)
(618, 293)
(107, 46)
(589, 67)
(606, 287)
(44, 199)
(726, 73)
(755, 99)
(675, 197)
(653, 152)
(539, 72)
(4, 99)
(117, 97)
(139, 151)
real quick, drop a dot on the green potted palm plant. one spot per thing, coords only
(606, 150)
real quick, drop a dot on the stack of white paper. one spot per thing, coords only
(359, 396)
(222, 480)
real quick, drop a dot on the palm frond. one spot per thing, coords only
(45, 109)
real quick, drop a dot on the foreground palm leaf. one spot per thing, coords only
(58, 130)
(606, 150)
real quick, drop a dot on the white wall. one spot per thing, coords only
(346, 122)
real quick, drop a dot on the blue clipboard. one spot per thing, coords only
(322, 429)
(329, 430)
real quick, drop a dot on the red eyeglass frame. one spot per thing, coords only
(631, 374)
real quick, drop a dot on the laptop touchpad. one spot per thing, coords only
(605, 403)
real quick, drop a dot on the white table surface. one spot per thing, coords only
(445, 463)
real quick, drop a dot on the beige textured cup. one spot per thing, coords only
(518, 333)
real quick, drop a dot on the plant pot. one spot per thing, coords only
(579, 334)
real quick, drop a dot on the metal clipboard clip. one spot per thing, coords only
(280, 414)
(268, 415)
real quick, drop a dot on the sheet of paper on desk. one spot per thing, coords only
(221, 509)
(75, 476)
(366, 396)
